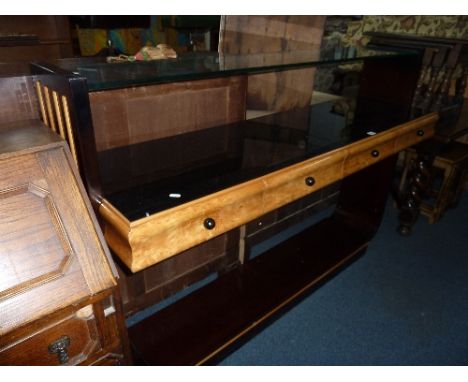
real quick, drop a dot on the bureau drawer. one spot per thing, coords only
(110, 359)
(67, 342)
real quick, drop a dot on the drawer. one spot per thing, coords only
(110, 359)
(67, 342)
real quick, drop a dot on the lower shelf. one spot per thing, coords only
(203, 324)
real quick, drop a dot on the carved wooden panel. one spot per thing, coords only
(58, 301)
(32, 251)
(49, 257)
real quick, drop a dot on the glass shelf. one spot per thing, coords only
(145, 178)
(193, 66)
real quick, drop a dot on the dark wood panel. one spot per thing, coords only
(10, 69)
(44, 27)
(31, 53)
(201, 324)
(18, 99)
(152, 285)
(386, 85)
(34, 37)
(288, 216)
(133, 115)
(259, 34)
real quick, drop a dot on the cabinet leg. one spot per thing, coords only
(363, 196)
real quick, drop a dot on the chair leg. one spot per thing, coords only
(443, 196)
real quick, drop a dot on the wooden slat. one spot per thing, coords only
(49, 109)
(58, 114)
(41, 103)
(68, 125)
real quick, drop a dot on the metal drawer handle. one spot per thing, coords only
(209, 223)
(60, 347)
(375, 153)
(420, 133)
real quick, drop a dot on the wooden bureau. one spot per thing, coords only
(59, 301)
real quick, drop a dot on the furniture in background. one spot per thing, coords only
(183, 107)
(273, 91)
(27, 38)
(111, 35)
(448, 177)
(59, 300)
(440, 88)
(192, 33)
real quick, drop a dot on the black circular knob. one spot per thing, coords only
(310, 181)
(375, 153)
(420, 133)
(209, 223)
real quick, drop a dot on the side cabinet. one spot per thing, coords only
(59, 301)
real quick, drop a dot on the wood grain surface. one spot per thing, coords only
(56, 275)
(132, 115)
(19, 100)
(277, 91)
(41, 177)
(150, 240)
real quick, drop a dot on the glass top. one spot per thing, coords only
(190, 66)
(145, 178)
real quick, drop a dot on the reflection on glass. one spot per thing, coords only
(139, 179)
(102, 75)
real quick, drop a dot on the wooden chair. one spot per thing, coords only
(449, 175)
(441, 88)
(434, 93)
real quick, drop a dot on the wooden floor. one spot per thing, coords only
(203, 324)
